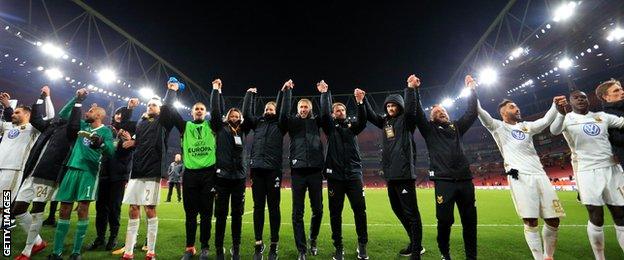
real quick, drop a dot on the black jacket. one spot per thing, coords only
(616, 136)
(446, 154)
(48, 154)
(148, 158)
(399, 152)
(268, 136)
(343, 160)
(231, 157)
(117, 168)
(306, 149)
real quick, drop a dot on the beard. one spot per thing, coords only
(89, 120)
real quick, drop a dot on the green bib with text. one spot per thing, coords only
(199, 146)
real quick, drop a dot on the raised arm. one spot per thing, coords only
(557, 126)
(486, 119)
(358, 126)
(421, 118)
(169, 115)
(372, 116)
(326, 100)
(285, 108)
(7, 113)
(36, 119)
(410, 102)
(49, 107)
(216, 106)
(250, 119)
(73, 126)
(67, 109)
(470, 115)
(539, 125)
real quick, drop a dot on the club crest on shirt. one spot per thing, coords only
(598, 119)
(439, 199)
(591, 129)
(13, 133)
(518, 135)
(86, 141)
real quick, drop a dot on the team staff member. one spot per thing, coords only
(343, 167)
(450, 170)
(199, 152)
(80, 181)
(306, 164)
(174, 174)
(114, 175)
(398, 158)
(266, 170)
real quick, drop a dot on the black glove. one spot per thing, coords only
(80, 98)
(513, 173)
(96, 141)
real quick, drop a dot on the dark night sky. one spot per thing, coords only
(348, 45)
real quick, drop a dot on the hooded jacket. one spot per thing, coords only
(399, 149)
(306, 149)
(117, 168)
(268, 135)
(343, 160)
(231, 157)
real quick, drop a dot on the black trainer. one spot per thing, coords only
(361, 252)
(235, 252)
(339, 254)
(273, 252)
(258, 252)
(98, 242)
(313, 247)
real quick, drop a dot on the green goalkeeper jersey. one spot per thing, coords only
(84, 157)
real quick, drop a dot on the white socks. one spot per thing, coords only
(619, 232)
(596, 239)
(33, 233)
(131, 235)
(152, 231)
(549, 234)
(532, 236)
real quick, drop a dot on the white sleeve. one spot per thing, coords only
(613, 121)
(486, 119)
(49, 108)
(539, 125)
(557, 126)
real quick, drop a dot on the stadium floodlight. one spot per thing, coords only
(517, 52)
(54, 73)
(146, 93)
(447, 102)
(488, 76)
(465, 92)
(564, 11)
(107, 76)
(177, 104)
(565, 63)
(616, 34)
(52, 50)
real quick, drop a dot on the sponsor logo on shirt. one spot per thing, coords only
(13, 133)
(518, 135)
(86, 141)
(591, 129)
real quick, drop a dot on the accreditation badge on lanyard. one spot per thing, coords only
(389, 130)
(238, 140)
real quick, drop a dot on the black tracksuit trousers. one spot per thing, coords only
(309, 179)
(265, 189)
(402, 195)
(462, 193)
(354, 190)
(226, 189)
(198, 195)
(108, 207)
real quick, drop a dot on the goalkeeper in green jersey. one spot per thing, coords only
(93, 141)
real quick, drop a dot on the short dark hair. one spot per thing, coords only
(504, 103)
(577, 91)
(25, 108)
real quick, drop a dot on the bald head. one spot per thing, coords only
(95, 114)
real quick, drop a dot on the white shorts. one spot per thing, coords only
(10, 180)
(535, 197)
(601, 186)
(36, 190)
(142, 192)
